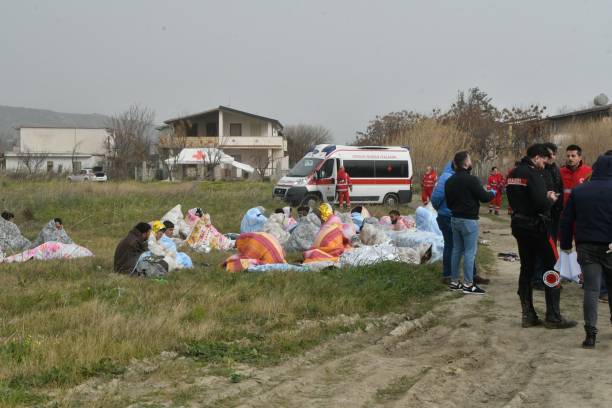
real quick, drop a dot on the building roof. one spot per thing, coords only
(58, 127)
(588, 111)
(226, 109)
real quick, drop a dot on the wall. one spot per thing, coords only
(14, 163)
(63, 140)
(250, 126)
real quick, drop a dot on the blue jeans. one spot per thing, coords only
(465, 241)
(444, 223)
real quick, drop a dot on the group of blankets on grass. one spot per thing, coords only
(322, 237)
(51, 243)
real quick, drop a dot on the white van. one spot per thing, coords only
(380, 174)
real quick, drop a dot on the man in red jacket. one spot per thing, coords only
(343, 185)
(495, 182)
(430, 178)
(574, 172)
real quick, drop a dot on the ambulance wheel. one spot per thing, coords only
(391, 200)
(311, 201)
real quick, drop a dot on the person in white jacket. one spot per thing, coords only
(158, 249)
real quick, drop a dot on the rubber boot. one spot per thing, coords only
(530, 317)
(591, 333)
(554, 320)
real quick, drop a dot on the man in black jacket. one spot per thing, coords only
(589, 211)
(463, 194)
(531, 201)
(131, 247)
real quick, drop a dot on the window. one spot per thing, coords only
(212, 129)
(49, 166)
(235, 129)
(192, 129)
(391, 169)
(359, 168)
(327, 170)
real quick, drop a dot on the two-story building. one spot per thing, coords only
(248, 138)
(57, 149)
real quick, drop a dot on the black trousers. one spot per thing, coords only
(534, 243)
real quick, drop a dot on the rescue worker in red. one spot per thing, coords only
(430, 178)
(343, 185)
(496, 182)
(574, 172)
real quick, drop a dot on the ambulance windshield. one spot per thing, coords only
(304, 167)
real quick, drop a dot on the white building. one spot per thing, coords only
(248, 138)
(57, 149)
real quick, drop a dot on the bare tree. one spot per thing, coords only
(262, 164)
(74, 160)
(33, 162)
(128, 145)
(301, 137)
(171, 143)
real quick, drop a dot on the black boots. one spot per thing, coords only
(591, 333)
(530, 317)
(554, 320)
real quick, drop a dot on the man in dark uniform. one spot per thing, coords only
(531, 202)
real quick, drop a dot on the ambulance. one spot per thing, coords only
(379, 174)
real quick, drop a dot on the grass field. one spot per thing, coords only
(63, 322)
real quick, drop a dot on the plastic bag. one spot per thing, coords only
(568, 267)
(426, 220)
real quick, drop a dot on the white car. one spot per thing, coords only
(88, 175)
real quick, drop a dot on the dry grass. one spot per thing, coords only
(63, 322)
(594, 137)
(432, 144)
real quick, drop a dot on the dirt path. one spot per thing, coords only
(469, 352)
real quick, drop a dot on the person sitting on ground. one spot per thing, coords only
(53, 232)
(8, 215)
(157, 249)
(398, 223)
(303, 211)
(11, 240)
(182, 259)
(131, 247)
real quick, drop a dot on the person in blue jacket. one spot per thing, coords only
(444, 222)
(587, 220)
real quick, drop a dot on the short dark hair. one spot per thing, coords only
(58, 221)
(493, 168)
(608, 153)
(8, 215)
(168, 224)
(551, 146)
(460, 158)
(574, 148)
(279, 211)
(394, 212)
(537, 149)
(143, 227)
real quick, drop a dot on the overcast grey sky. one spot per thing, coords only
(334, 63)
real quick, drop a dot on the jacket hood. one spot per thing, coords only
(448, 169)
(602, 169)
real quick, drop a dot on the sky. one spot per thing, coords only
(334, 63)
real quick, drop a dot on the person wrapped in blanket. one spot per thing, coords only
(11, 240)
(157, 250)
(53, 232)
(182, 259)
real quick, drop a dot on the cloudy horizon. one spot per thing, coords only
(333, 63)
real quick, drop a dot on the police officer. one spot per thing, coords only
(531, 202)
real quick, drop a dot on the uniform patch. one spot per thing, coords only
(514, 181)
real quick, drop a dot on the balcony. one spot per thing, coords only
(245, 142)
